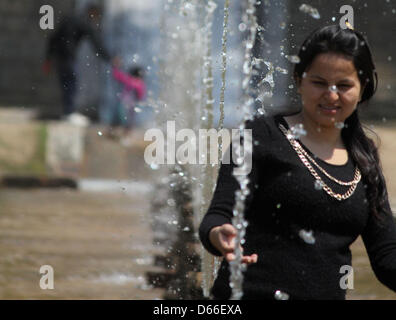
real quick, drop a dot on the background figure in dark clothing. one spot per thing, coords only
(63, 46)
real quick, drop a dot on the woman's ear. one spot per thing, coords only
(361, 93)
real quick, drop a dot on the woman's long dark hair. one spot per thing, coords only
(333, 39)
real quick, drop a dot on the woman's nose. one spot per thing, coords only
(332, 93)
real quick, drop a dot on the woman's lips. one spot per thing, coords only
(329, 109)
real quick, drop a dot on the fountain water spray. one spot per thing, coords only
(182, 49)
(239, 222)
(208, 172)
(224, 62)
(187, 37)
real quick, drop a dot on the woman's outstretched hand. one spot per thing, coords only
(223, 239)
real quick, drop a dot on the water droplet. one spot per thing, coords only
(100, 133)
(154, 166)
(333, 88)
(297, 131)
(389, 58)
(135, 58)
(314, 13)
(307, 236)
(278, 205)
(293, 59)
(333, 19)
(339, 125)
(242, 27)
(281, 70)
(279, 295)
(260, 111)
(246, 67)
(318, 185)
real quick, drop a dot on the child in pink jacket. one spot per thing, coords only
(134, 90)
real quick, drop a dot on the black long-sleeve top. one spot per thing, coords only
(63, 43)
(282, 202)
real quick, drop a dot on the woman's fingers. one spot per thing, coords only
(245, 259)
(227, 237)
(249, 259)
(223, 238)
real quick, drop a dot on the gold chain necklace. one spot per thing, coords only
(303, 155)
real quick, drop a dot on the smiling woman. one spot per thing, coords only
(311, 196)
(331, 87)
(330, 92)
(332, 58)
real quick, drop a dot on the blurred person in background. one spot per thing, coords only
(62, 48)
(121, 115)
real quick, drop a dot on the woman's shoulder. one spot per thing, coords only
(263, 125)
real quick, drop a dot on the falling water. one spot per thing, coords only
(187, 36)
(188, 39)
(208, 80)
(180, 92)
(208, 172)
(224, 61)
(239, 222)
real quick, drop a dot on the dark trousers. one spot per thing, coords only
(68, 83)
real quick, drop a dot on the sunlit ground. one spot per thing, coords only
(99, 245)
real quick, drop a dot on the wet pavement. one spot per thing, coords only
(99, 244)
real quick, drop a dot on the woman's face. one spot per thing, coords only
(330, 89)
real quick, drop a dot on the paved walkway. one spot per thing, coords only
(99, 244)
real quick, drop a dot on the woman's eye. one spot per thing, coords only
(344, 86)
